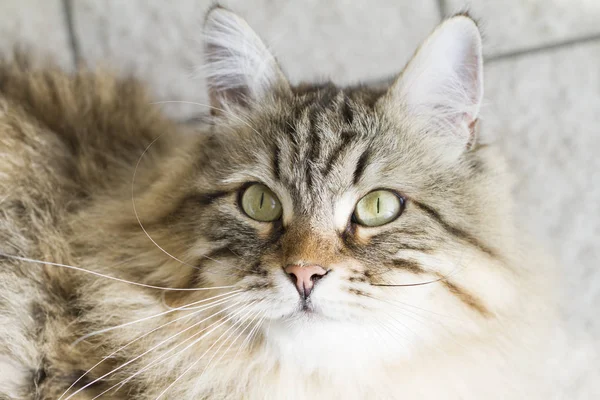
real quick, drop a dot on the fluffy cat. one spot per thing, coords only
(311, 242)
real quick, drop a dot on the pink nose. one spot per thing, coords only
(304, 277)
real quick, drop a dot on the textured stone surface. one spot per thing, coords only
(36, 26)
(161, 43)
(543, 110)
(517, 24)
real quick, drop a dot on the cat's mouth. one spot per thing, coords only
(306, 307)
(306, 310)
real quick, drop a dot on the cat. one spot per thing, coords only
(308, 242)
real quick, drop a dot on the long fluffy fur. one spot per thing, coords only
(70, 147)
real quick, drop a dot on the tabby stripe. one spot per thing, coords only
(258, 269)
(314, 117)
(466, 297)
(314, 150)
(275, 163)
(214, 255)
(198, 199)
(383, 237)
(313, 122)
(346, 140)
(219, 252)
(409, 265)
(347, 113)
(457, 232)
(209, 198)
(315, 147)
(290, 130)
(328, 94)
(361, 165)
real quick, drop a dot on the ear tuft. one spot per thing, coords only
(444, 80)
(239, 67)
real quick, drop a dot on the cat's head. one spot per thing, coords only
(352, 219)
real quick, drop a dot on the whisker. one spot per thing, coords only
(137, 217)
(206, 352)
(422, 320)
(183, 308)
(201, 357)
(218, 302)
(378, 332)
(149, 350)
(163, 358)
(213, 108)
(30, 260)
(240, 323)
(135, 211)
(437, 347)
(457, 269)
(390, 333)
(411, 284)
(249, 323)
(401, 324)
(252, 333)
(415, 316)
(395, 328)
(400, 303)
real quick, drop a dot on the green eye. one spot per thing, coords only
(260, 203)
(378, 208)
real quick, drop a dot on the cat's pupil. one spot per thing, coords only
(378, 205)
(262, 199)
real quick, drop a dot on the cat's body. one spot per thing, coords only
(70, 148)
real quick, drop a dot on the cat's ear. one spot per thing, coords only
(443, 82)
(238, 66)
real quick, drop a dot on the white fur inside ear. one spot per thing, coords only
(236, 58)
(444, 80)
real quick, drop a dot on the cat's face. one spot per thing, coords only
(349, 218)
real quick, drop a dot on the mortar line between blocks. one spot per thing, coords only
(72, 36)
(441, 5)
(386, 81)
(542, 48)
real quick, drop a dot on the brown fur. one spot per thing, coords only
(68, 139)
(79, 152)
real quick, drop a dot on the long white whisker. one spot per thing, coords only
(238, 324)
(135, 211)
(163, 358)
(458, 267)
(183, 308)
(149, 350)
(400, 303)
(111, 277)
(399, 323)
(386, 329)
(395, 328)
(414, 311)
(137, 217)
(415, 316)
(192, 306)
(195, 362)
(256, 314)
(216, 303)
(251, 334)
